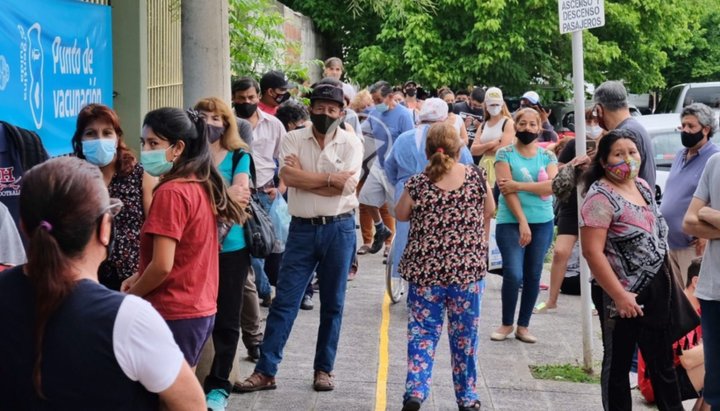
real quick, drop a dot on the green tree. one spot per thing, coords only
(258, 43)
(511, 43)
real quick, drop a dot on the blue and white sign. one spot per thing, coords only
(55, 58)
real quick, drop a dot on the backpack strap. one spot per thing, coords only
(237, 156)
(504, 123)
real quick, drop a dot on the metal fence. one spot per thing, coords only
(165, 78)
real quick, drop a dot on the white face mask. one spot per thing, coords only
(594, 131)
(494, 110)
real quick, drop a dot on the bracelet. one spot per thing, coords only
(328, 180)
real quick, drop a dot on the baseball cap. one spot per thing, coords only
(275, 79)
(493, 95)
(434, 109)
(407, 83)
(532, 97)
(329, 93)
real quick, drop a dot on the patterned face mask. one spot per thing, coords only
(625, 170)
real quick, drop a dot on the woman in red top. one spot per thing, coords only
(179, 242)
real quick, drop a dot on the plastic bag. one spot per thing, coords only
(281, 222)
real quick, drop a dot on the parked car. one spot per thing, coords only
(665, 135)
(562, 117)
(675, 98)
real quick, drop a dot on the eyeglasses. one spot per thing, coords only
(113, 209)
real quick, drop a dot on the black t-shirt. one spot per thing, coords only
(569, 207)
(11, 172)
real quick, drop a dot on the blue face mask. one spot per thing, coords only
(99, 152)
(155, 163)
(381, 108)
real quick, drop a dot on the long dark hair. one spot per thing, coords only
(596, 170)
(125, 160)
(173, 125)
(60, 204)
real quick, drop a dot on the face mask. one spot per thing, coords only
(477, 111)
(525, 137)
(689, 140)
(381, 108)
(494, 110)
(411, 92)
(214, 133)
(155, 163)
(281, 98)
(99, 152)
(594, 131)
(324, 124)
(245, 110)
(624, 170)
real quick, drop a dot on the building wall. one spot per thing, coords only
(299, 28)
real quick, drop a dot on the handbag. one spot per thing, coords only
(258, 228)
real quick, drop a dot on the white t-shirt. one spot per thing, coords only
(144, 346)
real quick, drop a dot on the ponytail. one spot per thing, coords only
(48, 272)
(442, 148)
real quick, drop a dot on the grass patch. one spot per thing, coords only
(563, 372)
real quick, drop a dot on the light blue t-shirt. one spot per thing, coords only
(386, 127)
(526, 169)
(235, 239)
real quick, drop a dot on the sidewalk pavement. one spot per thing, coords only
(504, 379)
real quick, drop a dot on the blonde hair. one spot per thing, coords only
(442, 148)
(361, 100)
(230, 140)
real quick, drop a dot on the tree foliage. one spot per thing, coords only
(258, 42)
(515, 44)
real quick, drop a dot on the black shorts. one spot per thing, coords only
(567, 223)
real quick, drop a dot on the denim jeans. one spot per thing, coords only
(711, 340)
(427, 307)
(521, 265)
(258, 264)
(326, 250)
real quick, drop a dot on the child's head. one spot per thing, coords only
(693, 272)
(442, 149)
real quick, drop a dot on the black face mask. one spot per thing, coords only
(245, 110)
(476, 111)
(323, 123)
(281, 98)
(411, 92)
(689, 140)
(451, 107)
(526, 137)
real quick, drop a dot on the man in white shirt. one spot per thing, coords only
(321, 166)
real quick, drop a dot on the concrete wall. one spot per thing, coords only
(299, 28)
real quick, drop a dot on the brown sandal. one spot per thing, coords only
(255, 382)
(323, 381)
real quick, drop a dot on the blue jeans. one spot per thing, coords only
(522, 264)
(711, 340)
(258, 264)
(326, 250)
(426, 308)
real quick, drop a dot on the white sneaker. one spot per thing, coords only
(633, 380)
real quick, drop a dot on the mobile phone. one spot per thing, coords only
(590, 145)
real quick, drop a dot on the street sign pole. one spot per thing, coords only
(579, 93)
(574, 17)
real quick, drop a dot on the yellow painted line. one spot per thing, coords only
(383, 356)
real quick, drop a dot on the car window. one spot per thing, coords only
(669, 100)
(709, 96)
(666, 145)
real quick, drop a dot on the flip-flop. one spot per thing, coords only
(363, 250)
(542, 308)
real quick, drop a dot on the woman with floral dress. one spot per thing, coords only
(444, 262)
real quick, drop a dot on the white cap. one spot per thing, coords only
(493, 95)
(434, 109)
(532, 97)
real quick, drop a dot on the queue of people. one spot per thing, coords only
(158, 242)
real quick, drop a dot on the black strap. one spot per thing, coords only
(237, 156)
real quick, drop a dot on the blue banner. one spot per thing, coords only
(55, 58)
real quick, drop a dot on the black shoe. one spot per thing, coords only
(266, 302)
(254, 352)
(307, 303)
(379, 239)
(474, 407)
(412, 404)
